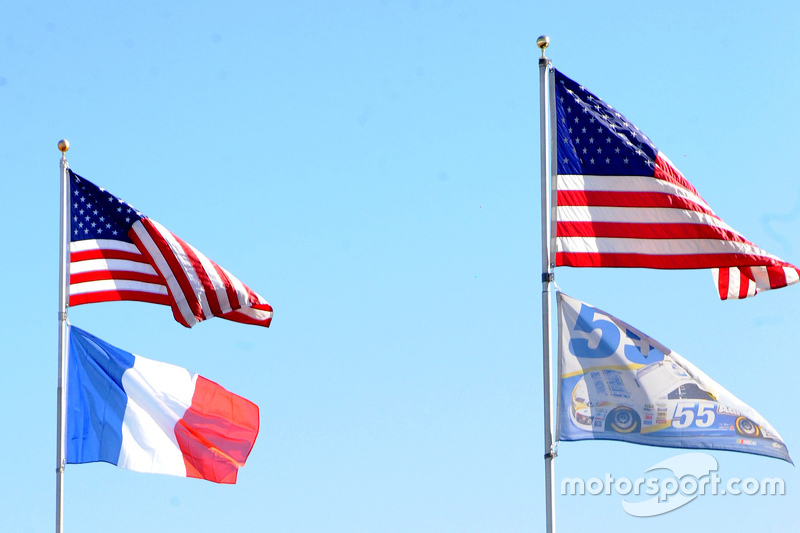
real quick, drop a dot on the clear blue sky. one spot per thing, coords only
(372, 169)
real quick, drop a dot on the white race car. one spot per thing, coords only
(617, 401)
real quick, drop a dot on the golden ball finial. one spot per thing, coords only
(543, 41)
(63, 145)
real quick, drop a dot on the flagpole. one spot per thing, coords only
(547, 278)
(63, 295)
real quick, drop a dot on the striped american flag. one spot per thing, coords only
(621, 203)
(117, 253)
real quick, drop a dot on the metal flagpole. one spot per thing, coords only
(63, 334)
(547, 278)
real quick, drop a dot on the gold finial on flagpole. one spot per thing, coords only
(543, 42)
(63, 145)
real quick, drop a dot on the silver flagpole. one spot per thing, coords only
(547, 278)
(63, 333)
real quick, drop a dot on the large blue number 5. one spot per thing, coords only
(609, 335)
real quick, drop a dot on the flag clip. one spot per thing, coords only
(553, 451)
(547, 277)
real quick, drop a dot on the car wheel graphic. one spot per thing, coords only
(623, 420)
(746, 427)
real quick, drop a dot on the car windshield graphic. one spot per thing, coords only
(690, 391)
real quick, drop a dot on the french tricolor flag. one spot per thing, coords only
(153, 417)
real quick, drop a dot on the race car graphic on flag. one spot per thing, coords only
(616, 383)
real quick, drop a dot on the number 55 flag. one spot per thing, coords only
(617, 383)
(153, 417)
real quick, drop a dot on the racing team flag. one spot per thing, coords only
(621, 203)
(117, 253)
(617, 383)
(154, 417)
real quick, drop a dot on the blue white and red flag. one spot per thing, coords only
(621, 203)
(153, 417)
(117, 253)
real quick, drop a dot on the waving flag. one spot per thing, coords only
(617, 383)
(152, 417)
(116, 253)
(621, 203)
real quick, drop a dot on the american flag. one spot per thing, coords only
(117, 253)
(621, 203)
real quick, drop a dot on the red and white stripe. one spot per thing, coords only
(658, 222)
(103, 270)
(159, 267)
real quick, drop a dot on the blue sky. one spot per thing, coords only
(372, 169)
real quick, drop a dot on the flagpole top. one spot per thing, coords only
(63, 145)
(543, 41)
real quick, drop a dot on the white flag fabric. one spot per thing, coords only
(617, 383)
